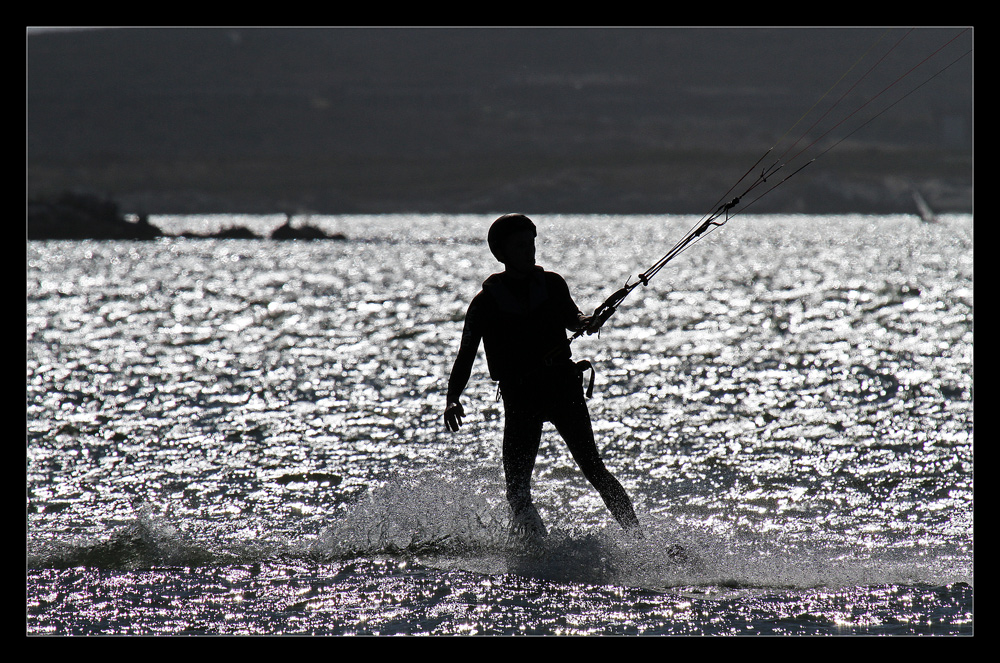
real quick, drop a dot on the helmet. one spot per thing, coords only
(504, 227)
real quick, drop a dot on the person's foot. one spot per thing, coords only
(528, 526)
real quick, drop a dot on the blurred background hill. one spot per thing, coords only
(263, 120)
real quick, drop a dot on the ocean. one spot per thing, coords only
(244, 437)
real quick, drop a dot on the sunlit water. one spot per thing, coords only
(245, 436)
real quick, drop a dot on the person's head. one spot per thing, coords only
(510, 234)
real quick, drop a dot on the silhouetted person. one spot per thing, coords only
(521, 316)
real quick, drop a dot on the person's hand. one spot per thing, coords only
(453, 414)
(589, 324)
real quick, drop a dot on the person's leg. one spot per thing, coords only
(573, 424)
(521, 437)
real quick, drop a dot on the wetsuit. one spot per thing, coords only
(522, 324)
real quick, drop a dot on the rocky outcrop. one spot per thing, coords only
(85, 216)
(288, 231)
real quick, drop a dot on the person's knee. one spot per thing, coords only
(593, 468)
(601, 478)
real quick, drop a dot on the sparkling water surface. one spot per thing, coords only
(245, 436)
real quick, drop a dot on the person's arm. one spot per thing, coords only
(575, 320)
(462, 369)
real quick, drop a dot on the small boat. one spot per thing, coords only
(923, 209)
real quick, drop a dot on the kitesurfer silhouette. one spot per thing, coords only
(521, 316)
